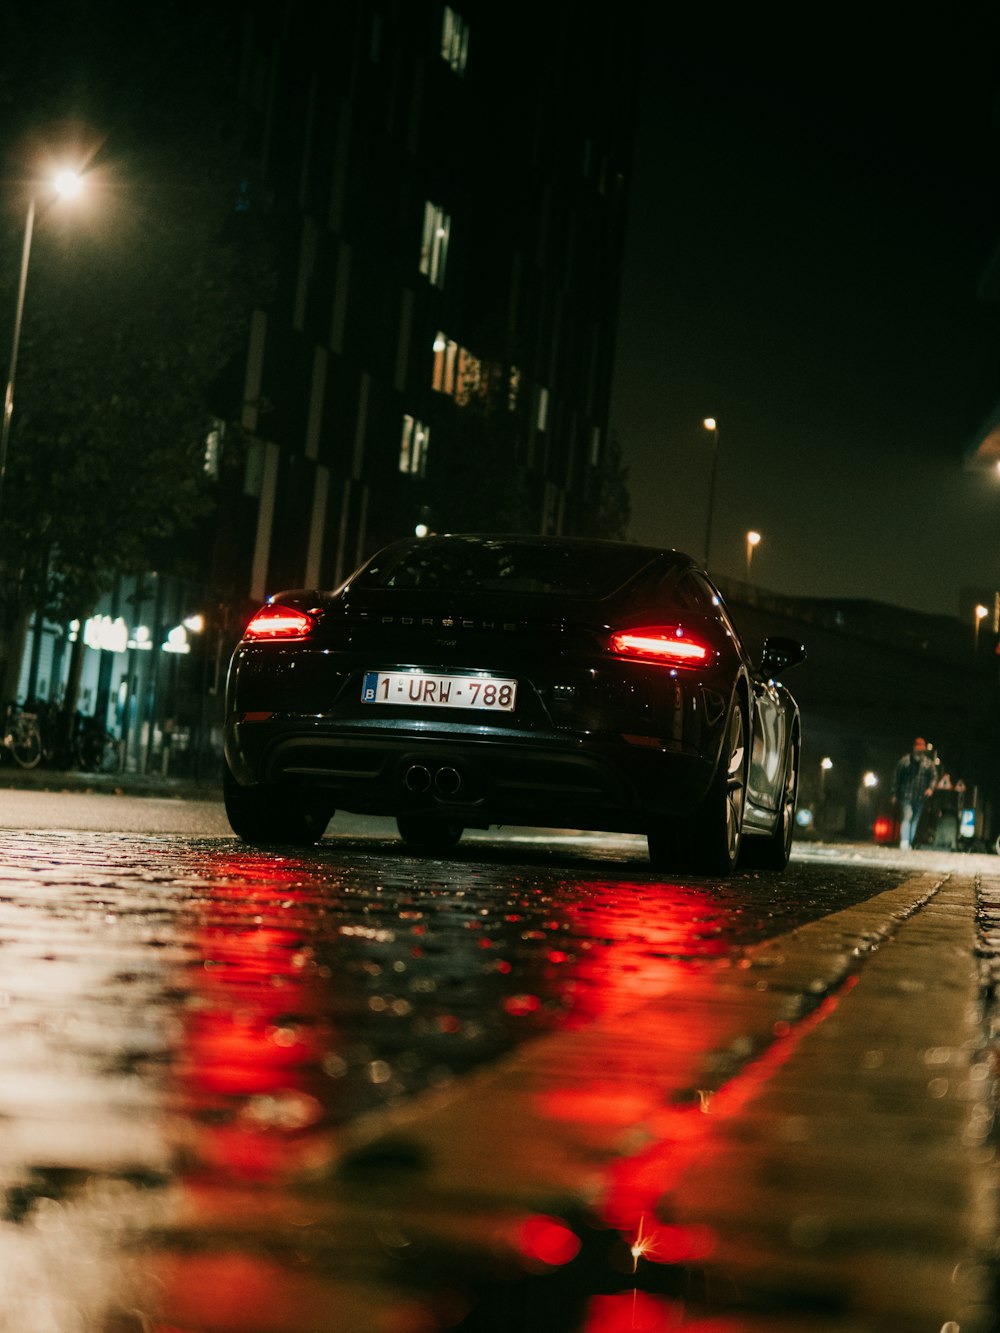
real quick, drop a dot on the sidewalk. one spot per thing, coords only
(206, 788)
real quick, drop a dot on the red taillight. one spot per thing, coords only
(671, 646)
(280, 622)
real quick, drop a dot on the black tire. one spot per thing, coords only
(428, 835)
(717, 828)
(774, 851)
(26, 742)
(267, 816)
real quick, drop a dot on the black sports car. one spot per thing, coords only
(467, 681)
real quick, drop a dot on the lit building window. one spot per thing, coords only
(443, 374)
(437, 375)
(543, 409)
(454, 40)
(463, 376)
(213, 450)
(413, 447)
(434, 244)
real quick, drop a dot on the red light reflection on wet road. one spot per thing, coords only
(254, 1029)
(269, 959)
(635, 941)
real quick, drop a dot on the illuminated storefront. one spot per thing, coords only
(147, 674)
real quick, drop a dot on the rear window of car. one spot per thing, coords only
(462, 565)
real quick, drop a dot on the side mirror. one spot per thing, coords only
(780, 654)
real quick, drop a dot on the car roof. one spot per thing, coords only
(543, 539)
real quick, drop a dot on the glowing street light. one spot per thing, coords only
(710, 424)
(68, 184)
(753, 539)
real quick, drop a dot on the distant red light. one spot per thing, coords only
(548, 1241)
(885, 829)
(669, 646)
(280, 622)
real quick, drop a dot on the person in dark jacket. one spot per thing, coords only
(914, 782)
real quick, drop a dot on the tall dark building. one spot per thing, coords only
(449, 183)
(442, 187)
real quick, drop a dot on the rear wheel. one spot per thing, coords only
(268, 816)
(717, 828)
(428, 835)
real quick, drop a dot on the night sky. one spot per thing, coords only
(810, 214)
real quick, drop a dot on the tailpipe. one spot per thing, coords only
(447, 782)
(417, 779)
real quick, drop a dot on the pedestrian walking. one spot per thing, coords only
(914, 781)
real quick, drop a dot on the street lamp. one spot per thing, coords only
(67, 184)
(753, 539)
(712, 425)
(825, 764)
(981, 612)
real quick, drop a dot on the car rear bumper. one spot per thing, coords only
(582, 782)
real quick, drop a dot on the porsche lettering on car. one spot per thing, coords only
(464, 681)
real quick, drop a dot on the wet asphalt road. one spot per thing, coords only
(235, 1086)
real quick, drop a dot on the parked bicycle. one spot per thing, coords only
(22, 736)
(94, 749)
(40, 733)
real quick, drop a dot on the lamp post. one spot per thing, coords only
(980, 614)
(825, 764)
(67, 184)
(753, 539)
(710, 424)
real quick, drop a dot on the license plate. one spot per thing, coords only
(417, 689)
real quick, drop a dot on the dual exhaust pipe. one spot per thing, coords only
(444, 782)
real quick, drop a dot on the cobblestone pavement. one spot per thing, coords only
(521, 1090)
